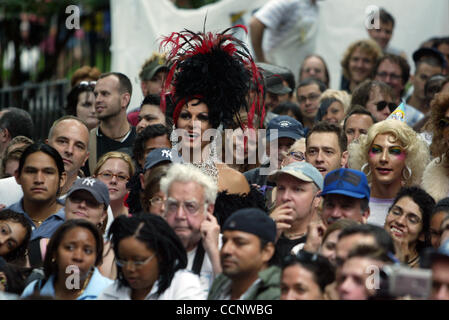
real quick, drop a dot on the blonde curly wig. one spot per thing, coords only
(416, 149)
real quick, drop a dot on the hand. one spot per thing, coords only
(2, 206)
(282, 217)
(315, 233)
(210, 230)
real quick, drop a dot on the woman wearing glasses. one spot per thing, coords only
(81, 103)
(153, 197)
(151, 261)
(408, 223)
(436, 176)
(392, 155)
(70, 266)
(114, 169)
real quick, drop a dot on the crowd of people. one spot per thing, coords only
(236, 178)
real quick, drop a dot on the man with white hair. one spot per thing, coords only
(189, 211)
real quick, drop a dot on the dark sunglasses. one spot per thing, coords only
(443, 123)
(382, 104)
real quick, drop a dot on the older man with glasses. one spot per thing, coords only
(189, 211)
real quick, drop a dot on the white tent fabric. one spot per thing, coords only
(138, 25)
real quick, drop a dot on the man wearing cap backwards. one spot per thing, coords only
(428, 62)
(248, 245)
(277, 90)
(297, 200)
(282, 132)
(438, 261)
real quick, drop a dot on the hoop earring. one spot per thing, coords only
(409, 173)
(363, 169)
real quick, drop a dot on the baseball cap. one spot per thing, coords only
(301, 170)
(254, 221)
(159, 155)
(273, 77)
(94, 186)
(287, 128)
(151, 69)
(348, 182)
(429, 52)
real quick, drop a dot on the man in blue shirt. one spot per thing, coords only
(41, 175)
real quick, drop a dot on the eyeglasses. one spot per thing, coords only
(443, 123)
(384, 75)
(297, 155)
(156, 201)
(312, 97)
(382, 104)
(136, 264)
(191, 207)
(305, 257)
(109, 175)
(91, 203)
(411, 217)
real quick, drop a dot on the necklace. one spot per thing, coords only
(86, 282)
(37, 222)
(292, 236)
(116, 138)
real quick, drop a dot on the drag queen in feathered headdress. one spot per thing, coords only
(209, 79)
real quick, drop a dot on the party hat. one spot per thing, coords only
(398, 113)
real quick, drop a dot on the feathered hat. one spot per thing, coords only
(216, 69)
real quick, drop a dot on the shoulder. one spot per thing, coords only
(185, 285)
(113, 292)
(231, 180)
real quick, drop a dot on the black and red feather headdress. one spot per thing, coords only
(217, 69)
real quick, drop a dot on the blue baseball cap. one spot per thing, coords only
(348, 182)
(159, 155)
(301, 170)
(287, 128)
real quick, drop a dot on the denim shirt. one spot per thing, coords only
(48, 227)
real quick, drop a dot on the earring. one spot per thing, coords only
(363, 169)
(409, 173)
(53, 260)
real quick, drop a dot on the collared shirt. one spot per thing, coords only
(96, 285)
(48, 226)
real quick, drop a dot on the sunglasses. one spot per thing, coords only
(443, 123)
(382, 104)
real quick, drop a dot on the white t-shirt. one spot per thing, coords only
(184, 286)
(291, 28)
(207, 271)
(378, 210)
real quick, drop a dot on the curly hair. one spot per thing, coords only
(416, 149)
(367, 46)
(19, 253)
(439, 147)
